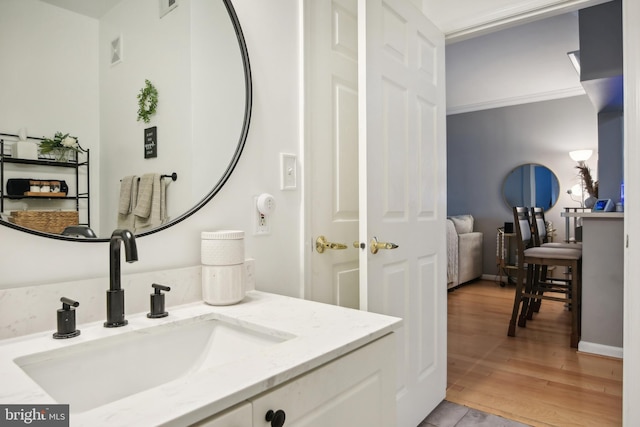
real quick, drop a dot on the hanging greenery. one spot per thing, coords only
(147, 101)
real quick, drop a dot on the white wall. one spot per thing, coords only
(158, 50)
(217, 94)
(483, 147)
(523, 64)
(271, 32)
(191, 56)
(49, 81)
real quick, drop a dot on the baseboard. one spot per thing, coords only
(600, 349)
(494, 277)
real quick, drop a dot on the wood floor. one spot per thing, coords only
(534, 378)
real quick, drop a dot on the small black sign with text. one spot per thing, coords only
(151, 142)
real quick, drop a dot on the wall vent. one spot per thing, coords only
(116, 50)
(167, 6)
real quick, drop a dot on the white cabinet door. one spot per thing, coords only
(355, 390)
(237, 416)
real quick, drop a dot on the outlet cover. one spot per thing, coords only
(262, 222)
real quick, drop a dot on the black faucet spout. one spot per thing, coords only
(115, 294)
(130, 253)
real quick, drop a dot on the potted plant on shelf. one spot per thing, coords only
(589, 184)
(61, 146)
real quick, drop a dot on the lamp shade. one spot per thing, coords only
(580, 155)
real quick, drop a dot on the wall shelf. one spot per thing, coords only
(80, 160)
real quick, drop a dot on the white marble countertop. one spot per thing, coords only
(321, 333)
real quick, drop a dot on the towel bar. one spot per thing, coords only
(173, 176)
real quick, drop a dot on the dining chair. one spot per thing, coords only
(540, 238)
(539, 231)
(531, 259)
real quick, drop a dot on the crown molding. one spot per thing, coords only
(517, 100)
(509, 16)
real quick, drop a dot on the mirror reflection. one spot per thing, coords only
(80, 71)
(531, 185)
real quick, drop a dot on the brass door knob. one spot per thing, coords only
(322, 243)
(376, 246)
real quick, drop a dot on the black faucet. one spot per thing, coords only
(115, 294)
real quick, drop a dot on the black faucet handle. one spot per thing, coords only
(159, 288)
(68, 303)
(67, 319)
(157, 301)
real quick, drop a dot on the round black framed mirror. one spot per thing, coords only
(531, 185)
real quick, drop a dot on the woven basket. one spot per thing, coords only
(48, 221)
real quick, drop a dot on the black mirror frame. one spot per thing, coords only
(227, 173)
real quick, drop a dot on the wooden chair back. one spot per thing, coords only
(538, 226)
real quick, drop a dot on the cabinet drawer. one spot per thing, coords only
(355, 390)
(238, 416)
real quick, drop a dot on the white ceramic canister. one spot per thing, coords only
(223, 271)
(223, 284)
(225, 247)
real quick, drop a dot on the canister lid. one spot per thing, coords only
(223, 235)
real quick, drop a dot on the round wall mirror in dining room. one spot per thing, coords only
(531, 185)
(78, 67)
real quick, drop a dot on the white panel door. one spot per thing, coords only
(403, 192)
(331, 56)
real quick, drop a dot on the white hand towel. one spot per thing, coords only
(126, 219)
(124, 203)
(151, 209)
(145, 195)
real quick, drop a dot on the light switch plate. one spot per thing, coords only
(288, 171)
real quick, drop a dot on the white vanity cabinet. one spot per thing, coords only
(237, 416)
(355, 390)
(319, 364)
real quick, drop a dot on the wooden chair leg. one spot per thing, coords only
(543, 278)
(517, 299)
(534, 289)
(526, 300)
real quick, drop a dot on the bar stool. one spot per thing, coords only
(540, 238)
(532, 288)
(539, 230)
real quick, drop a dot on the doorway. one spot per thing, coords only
(631, 14)
(561, 152)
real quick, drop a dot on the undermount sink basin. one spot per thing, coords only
(94, 373)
